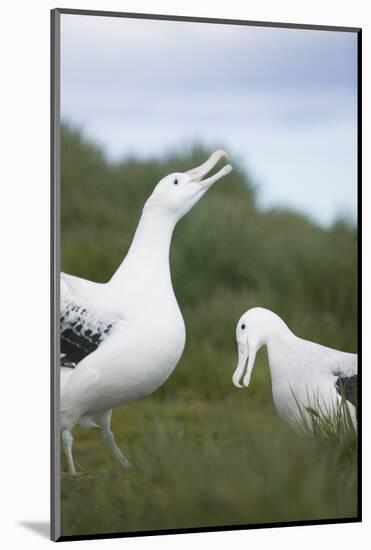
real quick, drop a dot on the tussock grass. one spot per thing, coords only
(332, 425)
(206, 464)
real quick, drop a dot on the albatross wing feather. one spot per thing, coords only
(348, 387)
(82, 328)
(344, 367)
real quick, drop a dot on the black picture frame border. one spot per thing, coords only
(55, 451)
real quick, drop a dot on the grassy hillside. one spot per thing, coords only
(203, 452)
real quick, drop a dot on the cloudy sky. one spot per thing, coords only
(282, 101)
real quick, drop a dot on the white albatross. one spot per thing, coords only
(304, 374)
(122, 339)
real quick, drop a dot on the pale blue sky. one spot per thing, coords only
(281, 100)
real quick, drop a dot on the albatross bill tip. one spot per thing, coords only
(227, 169)
(221, 153)
(236, 383)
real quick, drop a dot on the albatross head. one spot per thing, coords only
(253, 330)
(177, 193)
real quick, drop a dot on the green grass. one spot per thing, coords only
(332, 424)
(204, 453)
(208, 463)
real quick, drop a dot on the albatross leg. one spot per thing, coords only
(104, 421)
(67, 440)
(110, 440)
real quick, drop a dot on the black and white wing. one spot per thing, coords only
(82, 329)
(346, 372)
(347, 386)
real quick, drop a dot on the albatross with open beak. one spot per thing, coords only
(304, 374)
(122, 339)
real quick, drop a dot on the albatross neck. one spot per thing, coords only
(279, 343)
(148, 255)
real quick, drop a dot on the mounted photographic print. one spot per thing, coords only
(205, 247)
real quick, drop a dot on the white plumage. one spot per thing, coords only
(122, 339)
(303, 373)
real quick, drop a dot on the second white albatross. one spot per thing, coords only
(304, 374)
(122, 339)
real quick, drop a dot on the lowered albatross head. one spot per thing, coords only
(253, 331)
(177, 193)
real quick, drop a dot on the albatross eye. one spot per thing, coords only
(243, 326)
(175, 182)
